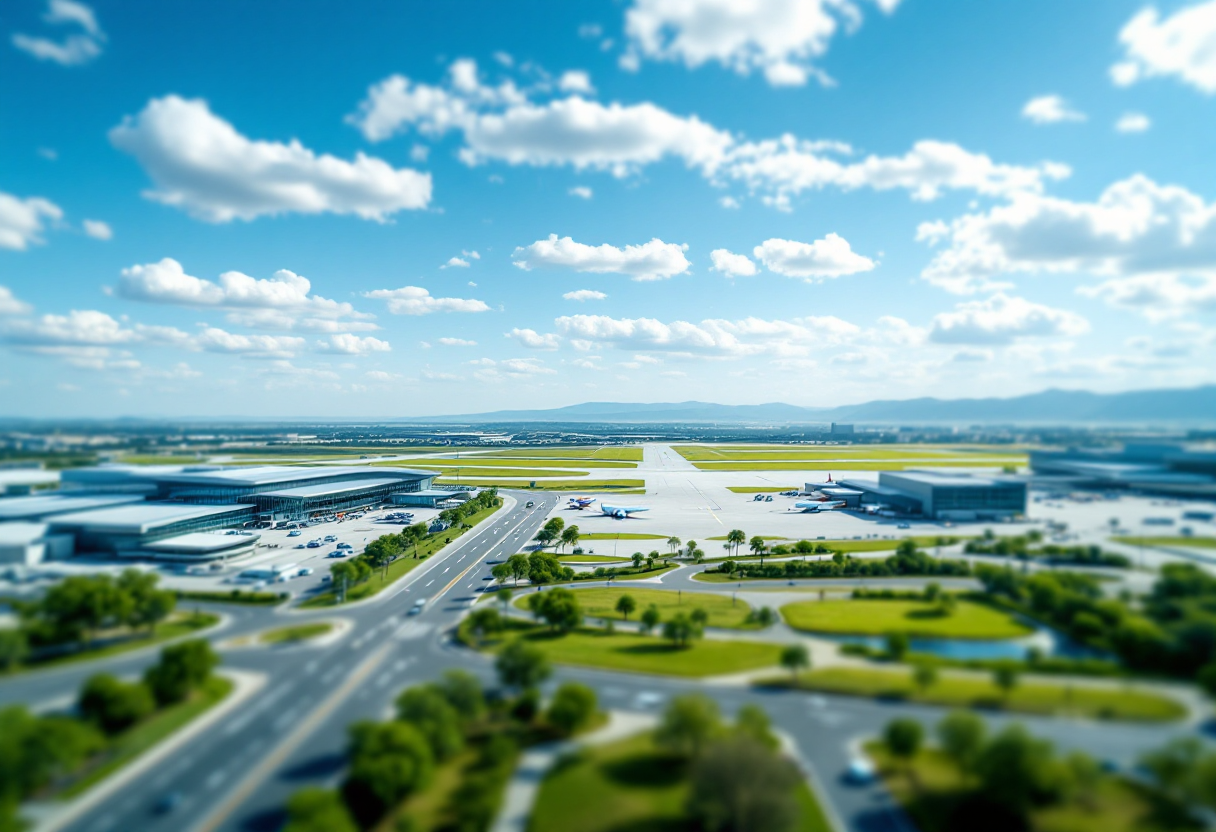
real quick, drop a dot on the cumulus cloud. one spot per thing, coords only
(655, 260)
(503, 124)
(78, 328)
(533, 340)
(21, 220)
(10, 305)
(1002, 319)
(1050, 109)
(1133, 123)
(348, 344)
(166, 281)
(1136, 228)
(1158, 295)
(457, 342)
(415, 300)
(73, 50)
(584, 295)
(200, 163)
(455, 262)
(1182, 45)
(581, 191)
(98, 230)
(731, 264)
(779, 38)
(712, 338)
(213, 339)
(830, 257)
(576, 81)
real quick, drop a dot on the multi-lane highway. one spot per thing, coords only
(292, 732)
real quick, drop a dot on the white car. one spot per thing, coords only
(860, 772)
(296, 533)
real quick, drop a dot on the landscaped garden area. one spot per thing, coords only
(928, 619)
(720, 610)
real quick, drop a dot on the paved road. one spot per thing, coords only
(293, 732)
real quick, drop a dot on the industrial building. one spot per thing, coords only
(430, 498)
(942, 495)
(1157, 468)
(179, 512)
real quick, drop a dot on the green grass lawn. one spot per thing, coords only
(182, 624)
(601, 603)
(526, 473)
(622, 536)
(1118, 805)
(879, 617)
(642, 575)
(851, 465)
(630, 784)
(588, 647)
(618, 452)
(1191, 542)
(138, 739)
(298, 632)
(1049, 698)
(592, 559)
(235, 596)
(479, 461)
(580, 486)
(401, 566)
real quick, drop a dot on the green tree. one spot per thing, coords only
(414, 535)
(428, 710)
(77, 607)
(673, 543)
(736, 538)
(764, 616)
(1016, 771)
(148, 605)
(1173, 766)
(382, 551)
(315, 809)
(625, 605)
(388, 762)
(570, 536)
(739, 785)
(897, 645)
(637, 558)
(1084, 776)
(650, 619)
(680, 630)
(521, 666)
(14, 647)
(112, 705)
(961, 737)
(543, 568)
(463, 692)
(753, 722)
(924, 676)
(501, 572)
(182, 668)
(1005, 677)
(504, 596)
(485, 621)
(795, 657)
(688, 723)
(573, 707)
(518, 565)
(699, 617)
(559, 609)
(758, 547)
(903, 738)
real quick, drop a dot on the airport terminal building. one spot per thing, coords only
(182, 512)
(943, 495)
(1158, 468)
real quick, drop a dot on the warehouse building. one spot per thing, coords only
(943, 495)
(1156, 468)
(128, 530)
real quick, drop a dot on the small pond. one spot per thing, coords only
(1047, 641)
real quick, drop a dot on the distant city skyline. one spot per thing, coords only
(394, 210)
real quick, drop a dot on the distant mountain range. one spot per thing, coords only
(1197, 404)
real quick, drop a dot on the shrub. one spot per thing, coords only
(114, 706)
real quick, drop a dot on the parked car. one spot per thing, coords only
(337, 553)
(304, 571)
(295, 533)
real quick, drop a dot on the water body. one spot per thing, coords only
(1047, 641)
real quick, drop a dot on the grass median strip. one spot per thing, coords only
(1187, 542)
(299, 632)
(916, 618)
(601, 603)
(581, 486)
(589, 647)
(1047, 698)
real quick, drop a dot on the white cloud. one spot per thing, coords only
(581, 191)
(1133, 123)
(780, 38)
(584, 295)
(9, 305)
(79, 327)
(74, 49)
(655, 260)
(419, 153)
(348, 344)
(533, 340)
(167, 282)
(1181, 45)
(711, 338)
(1158, 295)
(455, 263)
(576, 81)
(382, 375)
(830, 257)
(972, 355)
(731, 264)
(1050, 109)
(21, 220)
(728, 202)
(287, 321)
(457, 342)
(472, 255)
(1135, 228)
(490, 370)
(98, 230)
(213, 339)
(1002, 319)
(502, 124)
(200, 163)
(415, 300)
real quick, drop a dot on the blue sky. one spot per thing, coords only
(371, 209)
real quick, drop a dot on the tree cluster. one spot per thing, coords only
(907, 560)
(1030, 546)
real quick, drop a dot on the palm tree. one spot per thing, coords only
(736, 538)
(625, 605)
(673, 543)
(570, 537)
(757, 546)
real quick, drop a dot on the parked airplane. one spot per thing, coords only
(580, 502)
(816, 506)
(620, 512)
